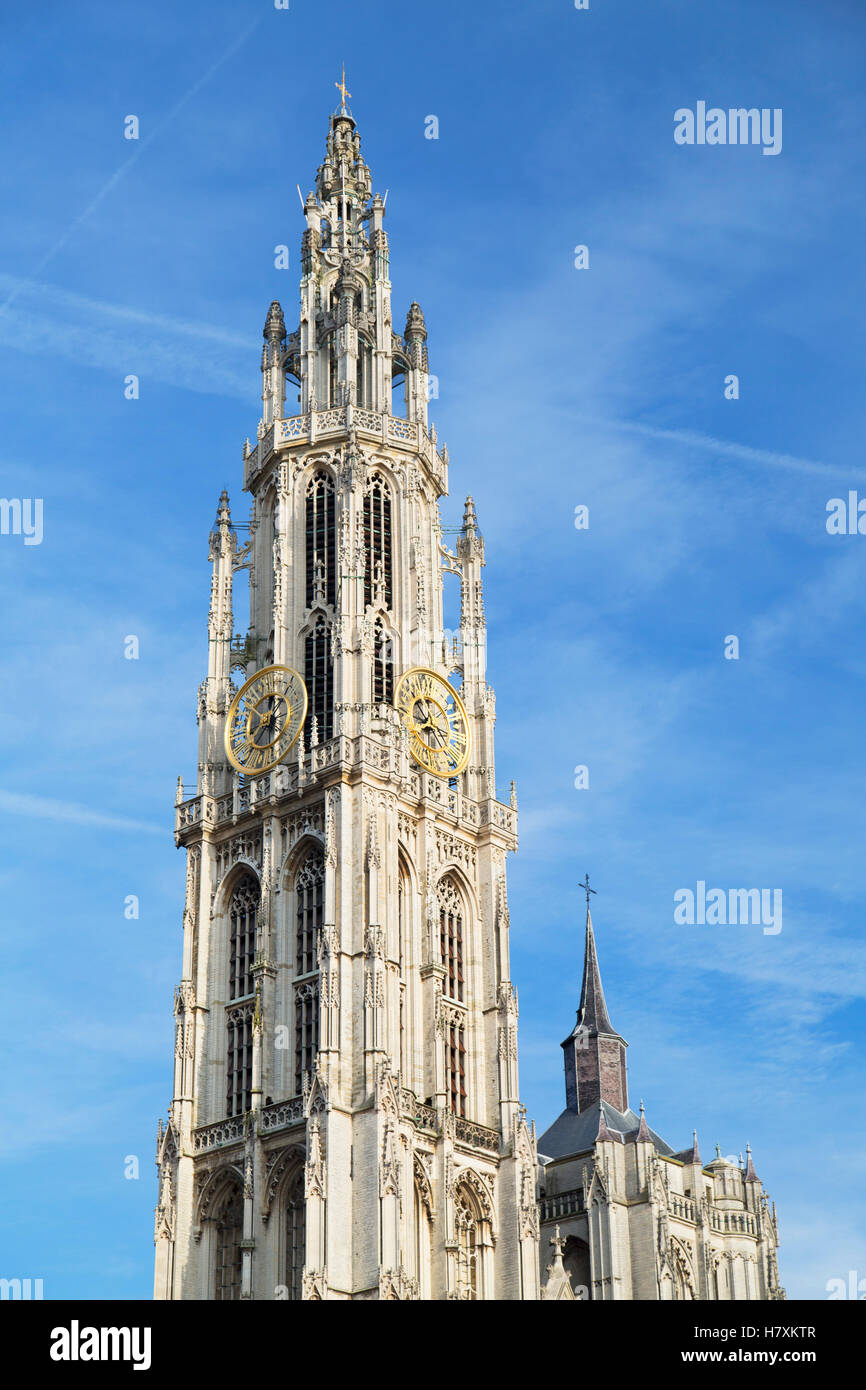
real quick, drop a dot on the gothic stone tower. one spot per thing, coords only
(345, 1120)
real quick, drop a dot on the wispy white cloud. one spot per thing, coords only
(45, 808)
(195, 356)
(745, 453)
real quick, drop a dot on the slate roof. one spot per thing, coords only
(575, 1133)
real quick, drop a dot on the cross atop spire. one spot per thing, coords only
(587, 890)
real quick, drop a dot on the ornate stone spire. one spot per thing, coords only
(751, 1175)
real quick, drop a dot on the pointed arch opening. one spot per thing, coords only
(229, 1233)
(309, 899)
(319, 678)
(378, 559)
(382, 691)
(321, 545)
(474, 1238)
(294, 1234)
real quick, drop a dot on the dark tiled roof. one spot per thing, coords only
(575, 1133)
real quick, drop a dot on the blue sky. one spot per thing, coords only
(558, 387)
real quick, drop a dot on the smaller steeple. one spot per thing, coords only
(594, 1052)
(751, 1175)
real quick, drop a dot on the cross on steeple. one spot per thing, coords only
(342, 89)
(587, 890)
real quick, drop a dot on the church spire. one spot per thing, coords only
(595, 1067)
(592, 1013)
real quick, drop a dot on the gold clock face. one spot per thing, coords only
(264, 719)
(436, 720)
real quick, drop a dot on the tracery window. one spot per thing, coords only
(242, 940)
(321, 539)
(229, 1234)
(383, 665)
(467, 1223)
(378, 565)
(319, 678)
(451, 937)
(363, 374)
(306, 1032)
(295, 1233)
(239, 1059)
(455, 1066)
(309, 898)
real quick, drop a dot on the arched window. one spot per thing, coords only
(383, 665)
(239, 1059)
(331, 361)
(242, 940)
(420, 1254)
(364, 373)
(404, 927)
(455, 1066)
(451, 937)
(319, 677)
(467, 1222)
(295, 1233)
(309, 909)
(575, 1258)
(321, 539)
(378, 582)
(309, 895)
(306, 1032)
(229, 1234)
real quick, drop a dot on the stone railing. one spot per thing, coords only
(476, 1136)
(380, 751)
(423, 1116)
(215, 1136)
(319, 424)
(561, 1204)
(682, 1207)
(731, 1222)
(281, 1114)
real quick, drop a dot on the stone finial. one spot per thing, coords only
(224, 516)
(415, 325)
(470, 520)
(751, 1175)
(643, 1134)
(275, 324)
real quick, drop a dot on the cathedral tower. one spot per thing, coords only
(345, 1120)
